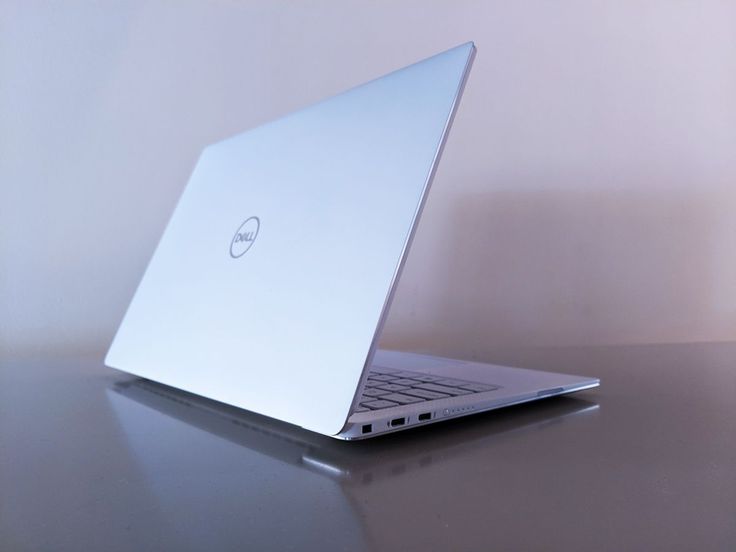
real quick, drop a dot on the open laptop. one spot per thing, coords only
(270, 286)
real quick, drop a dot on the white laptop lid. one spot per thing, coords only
(270, 281)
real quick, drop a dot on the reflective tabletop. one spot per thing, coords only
(94, 459)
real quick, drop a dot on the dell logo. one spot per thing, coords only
(244, 237)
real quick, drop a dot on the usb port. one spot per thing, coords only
(397, 422)
(424, 416)
(367, 428)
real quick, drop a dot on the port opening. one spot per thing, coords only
(423, 417)
(397, 422)
(367, 428)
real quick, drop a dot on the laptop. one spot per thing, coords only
(274, 276)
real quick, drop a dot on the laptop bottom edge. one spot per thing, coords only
(392, 421)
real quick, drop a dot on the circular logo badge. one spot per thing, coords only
(244, 237)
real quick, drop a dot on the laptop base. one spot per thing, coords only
(452, 388)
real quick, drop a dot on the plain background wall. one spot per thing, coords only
(586, 195)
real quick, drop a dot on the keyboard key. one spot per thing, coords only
(361, 409)
(401, 398)
(478, 387)
(405, 374)
(393, 387)
(372, 383)
(375, 392)
(451, 382)
(426, 394)
(427, 378)
(382, 370)
(376, 405)
(382, 377)
(454, 391)
(406, 381)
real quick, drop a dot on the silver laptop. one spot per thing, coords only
(275, 274)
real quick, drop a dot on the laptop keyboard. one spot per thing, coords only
(386, 388)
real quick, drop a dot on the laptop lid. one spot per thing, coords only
(268, 289)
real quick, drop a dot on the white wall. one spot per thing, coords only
(586, 194)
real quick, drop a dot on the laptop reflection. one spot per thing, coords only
(362, 462)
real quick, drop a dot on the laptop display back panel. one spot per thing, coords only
(270, 280)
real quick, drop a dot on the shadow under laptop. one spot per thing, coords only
(360, 462)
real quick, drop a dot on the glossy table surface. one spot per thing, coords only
(93, 459)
